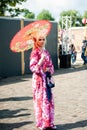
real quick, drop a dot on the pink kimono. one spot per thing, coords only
(44, 110)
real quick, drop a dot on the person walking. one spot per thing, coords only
(73, 53)
(84, 50)
(40, 63)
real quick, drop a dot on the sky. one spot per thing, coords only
(55, 7)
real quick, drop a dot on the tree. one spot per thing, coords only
(7, 6)
(28, 14)
(45, 15)
(85, 14)
(76, 18)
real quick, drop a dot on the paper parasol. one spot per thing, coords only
(23, 41)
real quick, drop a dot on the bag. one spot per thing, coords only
(50, 83)
(49, 80)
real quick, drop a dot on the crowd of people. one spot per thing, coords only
(72, 50)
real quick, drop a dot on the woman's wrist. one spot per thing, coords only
(40, 61)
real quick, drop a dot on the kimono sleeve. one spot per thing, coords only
(50, 64)
(34, 67)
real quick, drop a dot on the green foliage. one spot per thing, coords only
(45, 15)
(14, 12)
(6, 5)
(28, 14)
(85, 14)
(76, 18)
(10, 7)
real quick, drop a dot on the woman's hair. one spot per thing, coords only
(36, 41)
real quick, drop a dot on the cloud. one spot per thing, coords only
(54, 6)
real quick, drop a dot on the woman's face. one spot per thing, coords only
(41, 41)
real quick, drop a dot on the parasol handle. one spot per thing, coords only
(22, 53)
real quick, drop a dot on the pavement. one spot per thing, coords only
(70, 96)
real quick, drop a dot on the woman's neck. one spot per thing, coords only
(42, 48)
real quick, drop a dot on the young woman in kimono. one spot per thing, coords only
(40, 62)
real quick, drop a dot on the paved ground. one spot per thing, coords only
(70, 95)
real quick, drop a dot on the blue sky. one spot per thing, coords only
(55, 6)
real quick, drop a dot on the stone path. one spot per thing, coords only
(70, 95)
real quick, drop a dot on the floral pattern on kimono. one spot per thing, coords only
(44, 110)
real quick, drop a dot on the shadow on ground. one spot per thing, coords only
(24, 78)
(6, 113)
(12, 126)
(15, 99)
(14, 79)
(69, 126)
(74, 68)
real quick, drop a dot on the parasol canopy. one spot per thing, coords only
(23, 40)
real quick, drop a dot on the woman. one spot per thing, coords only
(73, 53)
(40, 62)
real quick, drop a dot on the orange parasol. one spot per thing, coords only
(23, 40)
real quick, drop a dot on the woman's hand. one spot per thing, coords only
(43, 56)
(47, 69)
